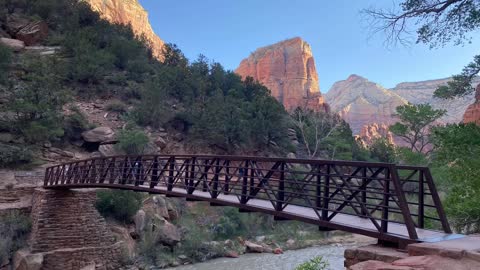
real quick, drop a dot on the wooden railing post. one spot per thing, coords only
(326, 193)
(421, 200)
(244, 174)
(171, 173)
(281, 188)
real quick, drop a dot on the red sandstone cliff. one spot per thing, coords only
(129, 12)
(472, 114)
(371, 132)
(288, 69)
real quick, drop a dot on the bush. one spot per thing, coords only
(116, 106)
(119, 204)
(5, 58)
(12, 155)
(74, 124)
(317, 263)
(132, 142)
(13, 231)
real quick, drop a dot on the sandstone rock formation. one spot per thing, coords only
(422, 92)
(130, 12)
(369, 133)
(288, 69)
(361, 102)
(472, 114)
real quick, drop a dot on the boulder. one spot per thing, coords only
(253, 248)
(140, 221)
(160, 206)
(6, 137)
(14, 44)
(231, 254)
(15, 22)
(99, 135)
(24, 260)
(123, 234)
(290, 243)
(377, 265)
(160, 142)
(33, 33)
(168, 234)
(277, 251)
(108, 150)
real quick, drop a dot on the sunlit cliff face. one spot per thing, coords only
(130, 12)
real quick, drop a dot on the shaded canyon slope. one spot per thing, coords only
(288, 70)
(130, 12)
(363, 103)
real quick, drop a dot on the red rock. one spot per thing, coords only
(130, 13)
(377, 265)
(33, 33)
(14, 44)
(252, 247)
(231, 254)
(472, 114)
(278, 251)
(371, 132)
(288, 70)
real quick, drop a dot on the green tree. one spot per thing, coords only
(38, 102)
(415, 123)
(457, 161)
(383, 150)
(436, 23)
(119, 204)
(132, 142)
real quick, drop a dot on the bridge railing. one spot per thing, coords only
(379, 192)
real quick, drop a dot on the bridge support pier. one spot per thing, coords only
(68, 233)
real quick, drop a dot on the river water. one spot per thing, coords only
(287, 261)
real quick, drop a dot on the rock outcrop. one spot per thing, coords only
(130, 12)
(472, 114)
(422, 92)
(361, 102)
(288, 70)
(371, 132)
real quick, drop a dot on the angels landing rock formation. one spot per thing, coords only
(288, 70)
(129, 12)
(472, 114)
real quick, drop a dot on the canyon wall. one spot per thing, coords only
(130, 12)
(288, 70)
(472, 114)
(361, 102)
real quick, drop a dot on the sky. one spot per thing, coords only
(227, 31)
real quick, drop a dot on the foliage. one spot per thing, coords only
(457, 155)
(116, 106)
(132, 142)
(323, 135)
(414, 125)
(13, 231)
(5, 59)
(119, 204)
(461, 84)
(317, 263)
(437, 23)
(74, 124)
(383, 150)
(37, 104)
(12, 155)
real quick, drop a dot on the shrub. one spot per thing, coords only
(132, 142)
(74, 124)
(116, 106)
(11, 155)
(119, 204)
(5, 58)
(317, 263)
(13, 231)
